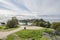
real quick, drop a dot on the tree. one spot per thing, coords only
(26, 22)
(12, 23)
(42, 20)
(42, 24)
(48, 24)
(36, 22)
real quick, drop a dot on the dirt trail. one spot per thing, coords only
(5, 34)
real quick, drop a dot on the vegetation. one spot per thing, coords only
(37, 22)
(25, 21)
(2, 27)
(12, 23)
(30, 34)
(56, 26)
(10, 37)
(44, 38)
(41, 23)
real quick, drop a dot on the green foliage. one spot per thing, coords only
(56, 26)
(33, 39)
(48, 24)
(24, 21)
(38, 22)
(41, 23)
(58, 29)
(12, 23)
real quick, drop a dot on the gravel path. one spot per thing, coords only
(5, 34)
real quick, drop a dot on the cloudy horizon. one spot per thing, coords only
(29, 8)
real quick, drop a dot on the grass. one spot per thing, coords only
(30, 34)
(3, 28)
(44, 38)
(10, 37)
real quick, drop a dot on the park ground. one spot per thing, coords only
(8, 35)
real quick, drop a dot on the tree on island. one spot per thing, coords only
(41, 23)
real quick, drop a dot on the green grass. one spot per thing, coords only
(31, 34)
(10, 37)
(3, 28)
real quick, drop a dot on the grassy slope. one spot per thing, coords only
(30, 34)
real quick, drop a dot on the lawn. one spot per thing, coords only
(29, 35)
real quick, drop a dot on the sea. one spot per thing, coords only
(50, 18)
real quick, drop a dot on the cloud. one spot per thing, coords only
(29, 8)
(19, 4)
(44, 7)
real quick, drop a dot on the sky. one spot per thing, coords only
(29, 8)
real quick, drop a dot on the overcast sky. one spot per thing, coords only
(31, 8)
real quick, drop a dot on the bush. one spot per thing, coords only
(12, 23)
(0, 27)
(58, 29)
(42, 24)
(56, 25)
(33, 39)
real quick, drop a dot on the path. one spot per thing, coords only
(5, 34)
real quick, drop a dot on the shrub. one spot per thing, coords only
(12, 23)
(42, 24)
(58, 29)
(0, 27)
(56, 25)
(33, 39)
